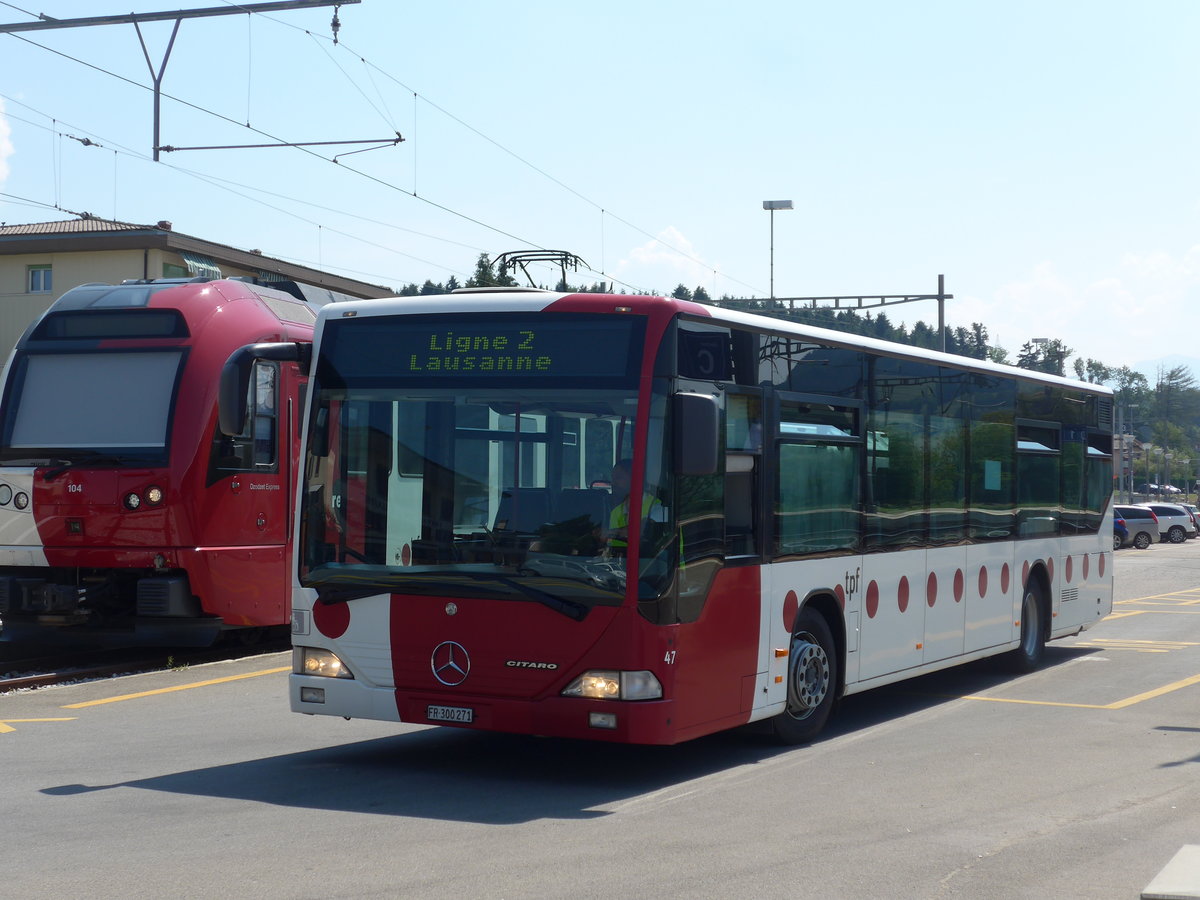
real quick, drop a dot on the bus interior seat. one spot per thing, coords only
(523, 510)
(574, 503)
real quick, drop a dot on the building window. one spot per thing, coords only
(171, 270)
(40, 281)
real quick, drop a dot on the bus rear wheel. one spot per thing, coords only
(1028, 655)
(812, 680)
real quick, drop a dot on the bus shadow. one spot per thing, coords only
(498, 779)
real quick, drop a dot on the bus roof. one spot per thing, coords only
(535, 300)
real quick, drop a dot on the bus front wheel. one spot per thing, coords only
(812, 680)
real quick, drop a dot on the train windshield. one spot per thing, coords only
(501, 486)
(72, 407)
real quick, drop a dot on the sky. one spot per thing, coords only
(1043, 156)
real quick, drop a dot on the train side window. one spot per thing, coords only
(266, 415)
(256, 448)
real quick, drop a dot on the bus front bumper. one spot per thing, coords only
(641, 722)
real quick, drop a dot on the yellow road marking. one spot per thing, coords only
(1120, 704)
(1157, 692)
(1136, 645)
(1180, 597)
(178, 687)
(5, 727)
(1034, 702)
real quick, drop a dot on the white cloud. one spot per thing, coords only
(1148, 307)
(662, 263)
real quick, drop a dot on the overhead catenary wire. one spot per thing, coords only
(225, 118)
(228, 185)
(416, 95)
(382, 182)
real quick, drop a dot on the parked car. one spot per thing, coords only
(1151, 488)
(1120, 533)
(1175, 523)
(1195, 511)
(1141, 523)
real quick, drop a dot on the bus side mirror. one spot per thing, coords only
(234, 387)
(697, 434)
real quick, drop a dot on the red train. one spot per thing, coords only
(126, 517)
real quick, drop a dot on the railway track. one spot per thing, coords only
(27, 673)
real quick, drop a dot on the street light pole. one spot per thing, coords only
(773, 205)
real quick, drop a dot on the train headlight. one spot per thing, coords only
(5, 495)
(313, 661)
(154, 495)
(21, 500)
(132, 500)
(610, 685)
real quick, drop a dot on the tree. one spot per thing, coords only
(681, 293)
(1049, 356)
(1092, 370)
(700, 295)
(485, 275)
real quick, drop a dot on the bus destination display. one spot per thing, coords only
(575, 346)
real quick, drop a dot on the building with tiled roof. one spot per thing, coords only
(41, 261)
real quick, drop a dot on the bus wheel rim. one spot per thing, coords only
(810, 676)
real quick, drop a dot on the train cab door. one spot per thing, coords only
(246, 519)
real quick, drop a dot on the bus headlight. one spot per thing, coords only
(600, 684)
(311, 661)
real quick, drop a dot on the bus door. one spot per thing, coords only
(947, 598)
(406, 483)
(816, 463)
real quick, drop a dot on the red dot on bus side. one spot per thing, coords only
(1025, 572)
(902, 593)
(840, 593)
(1050, 567)
(982, 581)
(791, 603)
(1101, 564)
(931, 589)
(405, 555)
(872, 600)
(1004, 575)
(331, 619)
(1086, 565)
(1068, 569)
(959, 584)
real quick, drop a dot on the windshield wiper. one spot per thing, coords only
(336, 591)
(568, 608)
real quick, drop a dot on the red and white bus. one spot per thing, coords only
(644, 520)
(126, 518)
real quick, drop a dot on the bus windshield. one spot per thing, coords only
(76, 406)
(499, 485)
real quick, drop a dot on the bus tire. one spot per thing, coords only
(1029, 653)
(812, 680)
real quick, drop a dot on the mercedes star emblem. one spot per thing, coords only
(450, 663)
